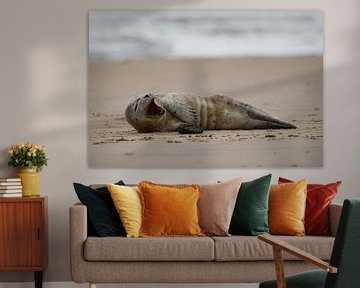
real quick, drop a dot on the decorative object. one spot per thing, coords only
(103, 218)
(10, 187)
(30, 181)
(287, 204)
(127, 201)
(250, 215)
(30, 158)
(318, 199)
(171, 68)
(216, 205)
(169, 210)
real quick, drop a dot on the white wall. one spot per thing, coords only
(43, 58)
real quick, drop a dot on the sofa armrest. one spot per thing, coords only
(78, 235)
(334, 217)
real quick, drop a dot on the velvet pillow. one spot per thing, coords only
(319, 197)
(250, 215)
(169, 210)
(102, 215)
(216, 206)
(127, 201)
(287, 204)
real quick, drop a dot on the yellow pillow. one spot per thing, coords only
(169, 210)
(127, 201)
(287, 204)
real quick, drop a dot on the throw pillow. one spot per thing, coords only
(250, 215)
(127, 201)
(102, 215)
(216, 206)
(169, 210)
(287, 204)
(319, 197)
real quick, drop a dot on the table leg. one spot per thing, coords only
(38, 279)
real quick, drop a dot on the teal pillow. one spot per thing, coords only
(250, 216)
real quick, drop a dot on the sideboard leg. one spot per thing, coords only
(92, 285)
(38, 279)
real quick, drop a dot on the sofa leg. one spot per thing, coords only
(92, 285)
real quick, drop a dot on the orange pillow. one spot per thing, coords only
(287, 204)
(169, 210)
(318, 200)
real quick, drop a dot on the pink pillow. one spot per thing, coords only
(216, 205)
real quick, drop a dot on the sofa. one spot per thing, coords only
(233, 259)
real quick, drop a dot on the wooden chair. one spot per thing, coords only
(344, 268)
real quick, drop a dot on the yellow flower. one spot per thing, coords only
(40, 147)
(28, 154)
(11, 151)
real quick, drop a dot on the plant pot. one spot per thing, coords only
(30, 181)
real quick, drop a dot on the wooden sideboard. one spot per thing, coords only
(23, 235)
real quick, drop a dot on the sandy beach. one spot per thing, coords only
(289, 88)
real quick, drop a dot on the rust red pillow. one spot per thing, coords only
(319, 197)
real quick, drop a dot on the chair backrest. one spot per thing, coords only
(346, 251)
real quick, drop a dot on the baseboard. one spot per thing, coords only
(74, 285)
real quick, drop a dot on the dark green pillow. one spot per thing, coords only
(103, 218)
(250, 216)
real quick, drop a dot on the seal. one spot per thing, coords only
(188, 113)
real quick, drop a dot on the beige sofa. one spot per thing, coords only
(234, 259)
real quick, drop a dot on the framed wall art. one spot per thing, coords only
(205, 89)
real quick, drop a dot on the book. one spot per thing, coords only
(10, 187)
(9, 183)
(10, 180)
(4, 195)
(10, 191)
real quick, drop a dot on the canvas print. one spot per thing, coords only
(205, 89)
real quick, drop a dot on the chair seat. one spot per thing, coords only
(309, 279)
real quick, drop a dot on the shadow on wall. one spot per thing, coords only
(4, 159)
(45, 58)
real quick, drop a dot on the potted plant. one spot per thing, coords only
(30, 158)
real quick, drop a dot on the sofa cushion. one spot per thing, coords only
(149, 249)
(127, 201)
(318, 199)
(216, 205)
(250, 215)
(169, 210)
(287, 204)
(244, 248)
(102, 216)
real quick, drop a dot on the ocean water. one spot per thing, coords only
(131, 35)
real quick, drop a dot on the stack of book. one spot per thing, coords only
(10, 187)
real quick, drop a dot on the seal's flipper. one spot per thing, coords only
(268, 121)
(189, 129)
(181, 106)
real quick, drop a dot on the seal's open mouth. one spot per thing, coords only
(154, 110)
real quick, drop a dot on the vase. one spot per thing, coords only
(30, 181)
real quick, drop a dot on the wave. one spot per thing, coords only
(127, 35)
